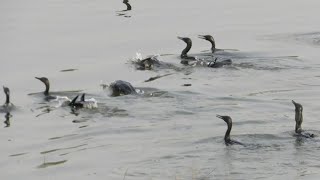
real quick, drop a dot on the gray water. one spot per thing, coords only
(169, 132)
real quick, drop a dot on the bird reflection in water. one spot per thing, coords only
(123, 12)
(7, 121)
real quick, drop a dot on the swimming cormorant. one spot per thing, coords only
(184, 54)
(6, 91)
(120, 87)
(211, 40)
(47, 85)
(299, 119)
(227, 139)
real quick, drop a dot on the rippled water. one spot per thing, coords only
(170, 131)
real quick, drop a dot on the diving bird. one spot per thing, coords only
(120, 87)
(227, 139)
(211, 40)
(219, 64)
(83, 103)
(299, 119)
(147, 63)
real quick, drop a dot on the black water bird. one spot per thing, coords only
(83, 103)
(126, 2)
(7, 93)
(120, 87)
(211, 40)
(227, 139)
(47, 85)
(184, 54)
(129, 8)
(219, 64)
(148, 63)
(299, 120)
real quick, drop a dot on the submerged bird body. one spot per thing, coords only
(148, 63)
(83, 103)
(227, 139)
(218, 64)
(120, 87)
(299, 120)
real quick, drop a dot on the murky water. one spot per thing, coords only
(170, 129)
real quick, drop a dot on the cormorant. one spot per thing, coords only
(7, 93)
(227, 139)
(83, 103)
(147, 63)
(184, 56)
(120, 87)
(299, 119)
(211, 40)
(218, 64)
(47, 85)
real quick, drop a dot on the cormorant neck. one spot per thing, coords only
(186, 50)
(46, 92)
(299, 119)
(128, 5)
(227, 135)
(213, 46)
(7, 99)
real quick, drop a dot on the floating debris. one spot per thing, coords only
(157, 77)
(68, 70)
(186, 84)
(47, 164)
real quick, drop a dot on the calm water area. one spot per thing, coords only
(169, 130)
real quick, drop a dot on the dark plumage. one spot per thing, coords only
(47, 85)
(120, 87)
(211, 40)
(184, 54)
(227, 139)
(299, 120)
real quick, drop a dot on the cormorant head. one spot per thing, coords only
(185, 39)
(206, 37)
(44, 80)
(6, 90)
(226, 119)
(298, 106)
(46, 83)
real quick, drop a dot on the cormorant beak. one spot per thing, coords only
(295, 104)
(182, 38)
(201, 37)
(218, 116)
(38, 78)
